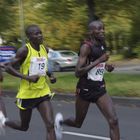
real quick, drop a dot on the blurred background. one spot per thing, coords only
(64, 23)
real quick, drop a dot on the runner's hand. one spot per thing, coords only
(2, 65)
(52, 79)
(109, 67)
(104, 57)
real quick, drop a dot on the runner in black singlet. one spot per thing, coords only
(91, 86)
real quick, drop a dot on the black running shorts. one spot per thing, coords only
(24, 104)
(92, 91)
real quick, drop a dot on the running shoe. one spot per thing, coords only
(58, 126)
(2, 123)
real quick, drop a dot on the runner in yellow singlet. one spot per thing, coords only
(34, 92)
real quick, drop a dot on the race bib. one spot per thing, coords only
(38, 66)
(97, 73)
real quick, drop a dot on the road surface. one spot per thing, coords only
(95, 126)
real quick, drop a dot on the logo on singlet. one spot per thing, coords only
(102, 47)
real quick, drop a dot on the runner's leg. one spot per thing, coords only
(81, 108)
(2, 106)
(107, 108)
(46, 111)
(3, 114)
(23, 125)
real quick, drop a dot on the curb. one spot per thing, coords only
(126, 101)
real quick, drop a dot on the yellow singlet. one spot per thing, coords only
(35, 63)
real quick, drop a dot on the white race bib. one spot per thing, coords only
(38, 66)
(97, 73)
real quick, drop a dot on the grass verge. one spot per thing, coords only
(117, 84)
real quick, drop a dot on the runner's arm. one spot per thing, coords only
(19, 58)
(82, 67)
(1, 75)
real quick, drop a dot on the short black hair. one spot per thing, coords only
(92, 24)
(29, 28)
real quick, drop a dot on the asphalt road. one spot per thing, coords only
(95, 126)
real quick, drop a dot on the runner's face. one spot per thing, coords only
(36, 35)
(98, 31)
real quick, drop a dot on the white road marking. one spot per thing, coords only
(86, 135)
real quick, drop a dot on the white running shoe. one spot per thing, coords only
(2, 123)
(58, 126)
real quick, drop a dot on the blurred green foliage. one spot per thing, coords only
(64, 22)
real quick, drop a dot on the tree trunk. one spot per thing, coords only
(91, 10)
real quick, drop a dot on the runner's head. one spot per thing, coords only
(34, 34)
(96, 29)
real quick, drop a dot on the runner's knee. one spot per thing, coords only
(50, 126)
(78, 124)
(113, 122)
(25, 128)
